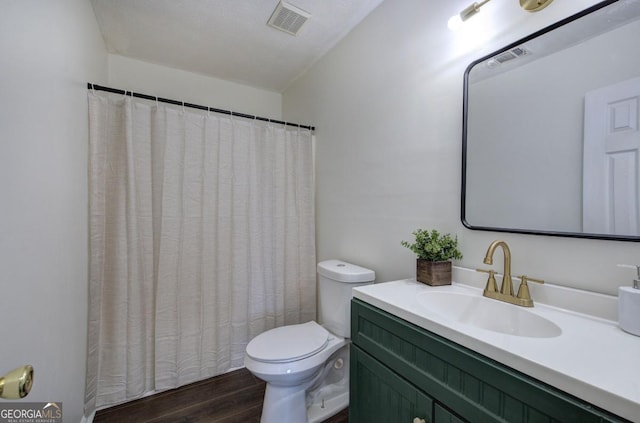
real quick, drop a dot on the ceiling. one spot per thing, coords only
(227, 39)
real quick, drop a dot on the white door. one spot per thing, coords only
(611, 174)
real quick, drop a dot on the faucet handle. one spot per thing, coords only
(523, 291)
(491, 282)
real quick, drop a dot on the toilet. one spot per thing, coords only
(306, 366)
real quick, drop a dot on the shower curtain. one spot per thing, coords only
(201, 237)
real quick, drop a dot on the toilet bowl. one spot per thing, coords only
(306, 365)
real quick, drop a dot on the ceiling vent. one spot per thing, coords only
(507, 56)
(514, 53)
(288, 18)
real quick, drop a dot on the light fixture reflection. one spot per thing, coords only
(456, 21)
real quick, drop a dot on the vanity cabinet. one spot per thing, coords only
(400, 372)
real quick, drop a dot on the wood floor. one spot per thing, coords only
(235, 397)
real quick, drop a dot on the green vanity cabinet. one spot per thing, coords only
(400, 371)
(383, 396)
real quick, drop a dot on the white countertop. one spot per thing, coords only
(593, 359)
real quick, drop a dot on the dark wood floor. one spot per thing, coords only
(229, 398)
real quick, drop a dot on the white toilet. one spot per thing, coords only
(306, 366)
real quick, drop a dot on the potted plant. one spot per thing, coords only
(435, 252)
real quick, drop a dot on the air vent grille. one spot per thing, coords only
(514, 53)
(288, 18)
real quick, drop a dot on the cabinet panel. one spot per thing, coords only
(477, 388)
(442, 415)
(379, 395)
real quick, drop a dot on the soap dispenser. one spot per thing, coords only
(629, 304)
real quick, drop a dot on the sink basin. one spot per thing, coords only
(488, 314)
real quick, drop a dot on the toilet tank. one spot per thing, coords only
(335, 280)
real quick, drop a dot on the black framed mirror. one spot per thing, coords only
(551, 143)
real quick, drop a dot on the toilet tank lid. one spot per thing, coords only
(341, 271)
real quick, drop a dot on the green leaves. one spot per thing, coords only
(434, 247)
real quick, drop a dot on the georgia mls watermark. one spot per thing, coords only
(30, 412)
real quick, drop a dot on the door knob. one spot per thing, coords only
(17, 383)
(419, 420)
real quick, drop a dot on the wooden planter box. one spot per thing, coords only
(433, 273)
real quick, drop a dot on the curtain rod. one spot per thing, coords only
(194, 106)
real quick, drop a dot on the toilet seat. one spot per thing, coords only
(288, 343)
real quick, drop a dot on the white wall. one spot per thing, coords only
(175, 84)
(387, 102)
(49, 49)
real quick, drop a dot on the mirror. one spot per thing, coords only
(551, 143)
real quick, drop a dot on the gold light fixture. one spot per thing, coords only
(534, 5)
(17, 383)
(529, 5)
(456, 20)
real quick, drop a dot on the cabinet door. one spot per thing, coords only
(377, 395)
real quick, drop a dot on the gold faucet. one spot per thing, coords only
(507, 284)
(506, 290)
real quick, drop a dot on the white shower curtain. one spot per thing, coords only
(201, 237)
